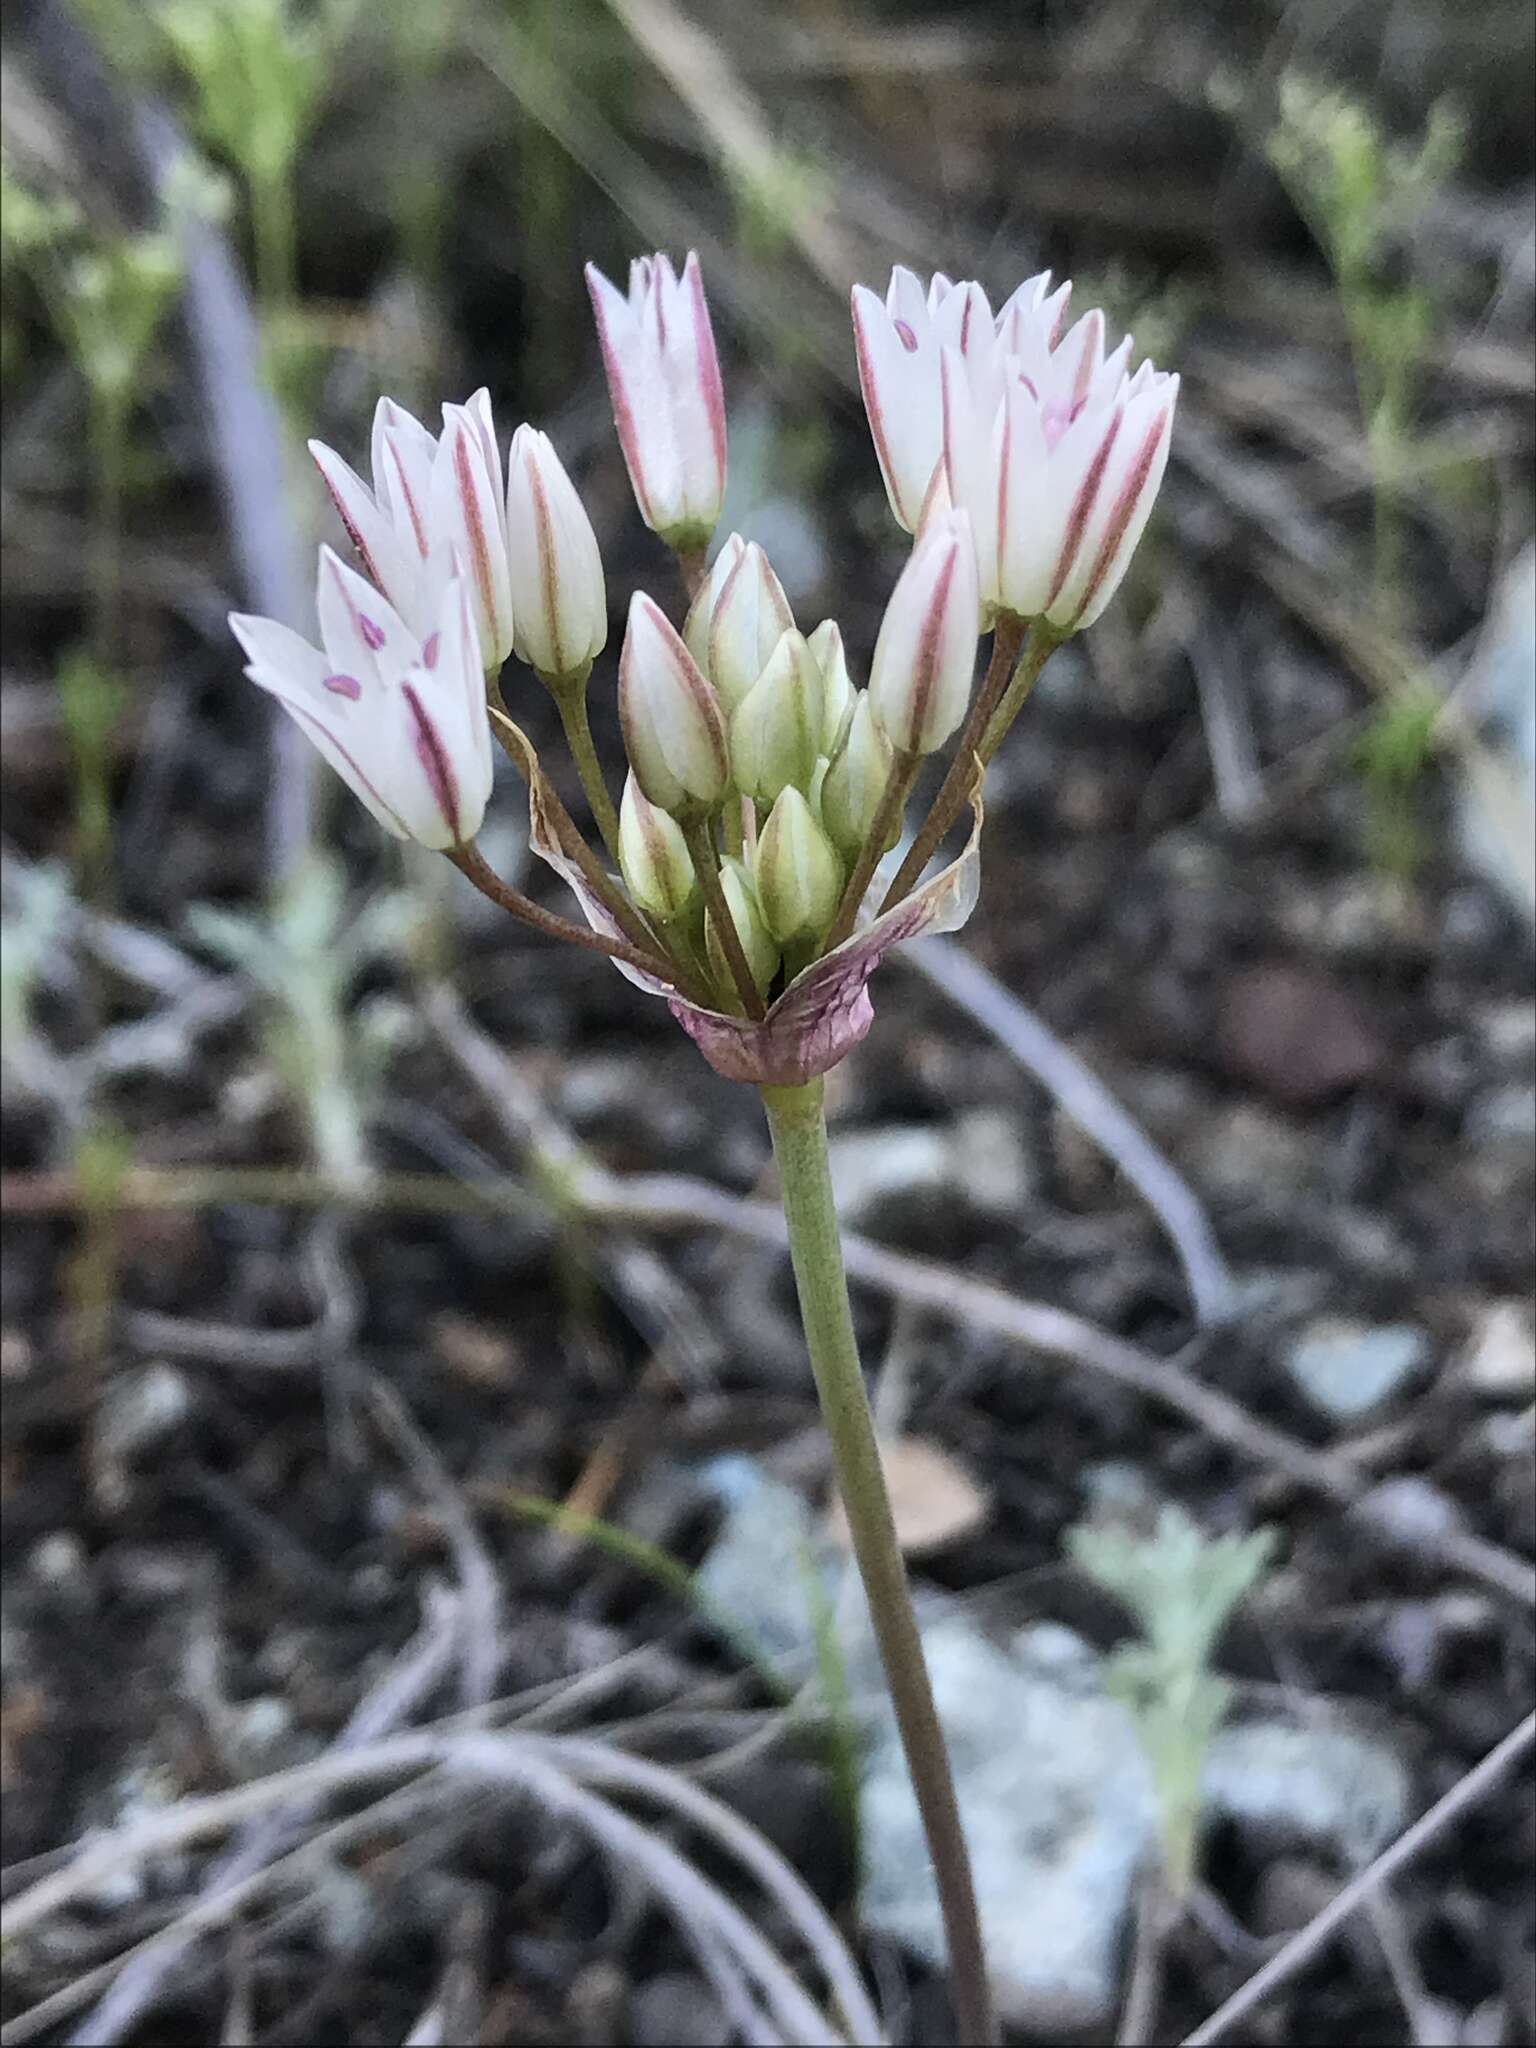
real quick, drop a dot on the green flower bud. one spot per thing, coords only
(702, 611)
(757, 941)
(654, 858)
(826, 643)
(776, 728)
(799, 876)
(674, 733)
(750, 616)
(856, 781)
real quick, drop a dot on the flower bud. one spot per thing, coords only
(826, 643)
(702, 611)
(776, 728)
(559, 603)
(855, 782)
(750, 617)
(668, 405)
(920, 678)
(653, 856)
(798, 874)
(467, 511)
(674, 732)
(757, 942)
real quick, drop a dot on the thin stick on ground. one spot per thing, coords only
(967, 984)
(1466, 1793)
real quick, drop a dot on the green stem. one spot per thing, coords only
(883, 831)
(997, 704)
(571, 700)
(1042, 643)
(706, 863)
(799, 1131)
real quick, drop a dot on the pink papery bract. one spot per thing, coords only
(825, 1011)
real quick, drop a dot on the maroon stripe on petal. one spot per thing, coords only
(309, 721)
(1082, 510)
(464, 475)
(926, 667)
(708, 361)
(433, 756)
(873, 408)
(353, 534)
(418, 524)
(429, 650)
(549, 568)
(343, 686)
(623, 411)
(1124, 510)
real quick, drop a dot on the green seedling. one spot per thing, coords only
(1359, 190)
(1182, 1587)
(306, 956)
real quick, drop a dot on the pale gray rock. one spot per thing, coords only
(1346, 1368)
(1500, 1355)
(1291, 1784)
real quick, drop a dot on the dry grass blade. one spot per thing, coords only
(546, 1768)
(967, 984)
(1301, 1948)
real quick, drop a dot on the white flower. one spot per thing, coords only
(920, 677)
(435, 509)
(668, 403)
(1058, 466)
(402, 722)
(559, 600)
(899, 343)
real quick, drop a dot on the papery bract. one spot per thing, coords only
(925, 653)
(559, 600)
(668, 403)
(403, 723)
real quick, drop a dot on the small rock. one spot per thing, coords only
(1498, 792)
(1346, 1368)
(1504, 1118)
(140, 1411)
(934, 1500)
(58, 1560)
(1251, 1152)
(1500, 1356)
(761, 1569)
(1058, 1809)
(1285, 1784)
(1409, 1512)
(1291, 1892)
(905, 1173)
(1297, 1033)
(675, 2010)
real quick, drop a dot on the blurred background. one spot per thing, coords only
(337, 1259)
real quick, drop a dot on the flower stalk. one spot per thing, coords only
(797, 1122)
(998, 703)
